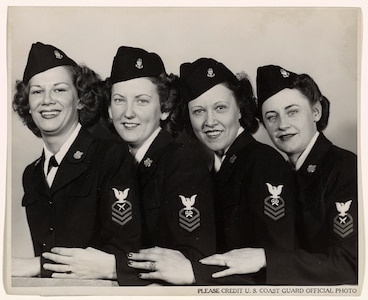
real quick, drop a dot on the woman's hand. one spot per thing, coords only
(238, 261)
(164, 264)
(80, 263)
(25, 267)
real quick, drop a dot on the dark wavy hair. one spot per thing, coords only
(309, 88)
(242, 90)
(168, 91)
(88, 85)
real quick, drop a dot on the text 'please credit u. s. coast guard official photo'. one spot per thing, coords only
(184, 149)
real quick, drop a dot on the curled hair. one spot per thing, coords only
(308, 87)
(88, 85)
(244, 96)
(243, 93)
(168, 88)
(168, 92)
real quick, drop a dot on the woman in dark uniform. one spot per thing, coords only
(80, 192)
(255, 189)
(174, 182)
(295, 113)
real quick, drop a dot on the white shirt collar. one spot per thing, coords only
(218, 160)
(144, 148)
(63, 149)
(305, 153)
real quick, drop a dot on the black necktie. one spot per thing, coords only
(52, 163)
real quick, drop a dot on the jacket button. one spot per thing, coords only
(51, 229)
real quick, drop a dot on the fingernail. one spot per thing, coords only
(140, 275)
(129, 262)
(130, 254)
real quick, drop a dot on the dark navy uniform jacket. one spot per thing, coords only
(327, 221)
(81, 208)
(177, 200)
(255, 202)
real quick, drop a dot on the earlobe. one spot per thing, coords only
(164, 116)
(79, 105)
(109, 111)
(317, 112)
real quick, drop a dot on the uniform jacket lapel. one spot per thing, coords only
(311, 168)
(74, 162)
(232, 155)
(152, 157)
(309, 180)
(38, 180)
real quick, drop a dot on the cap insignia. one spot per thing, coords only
(148, 162)
(210, 73)
(139, 64)
(57, 54)
(284, 73)
(78, 154)
(311, 168)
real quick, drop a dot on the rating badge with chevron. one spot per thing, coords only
(189, 216)
(121, 209)
(343, 222)
(274, 205)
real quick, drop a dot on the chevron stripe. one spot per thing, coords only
(190, 229)
(273, 217)
(274, 213)
(122, 222)
(343, 234)
(343, 230)
(189, 224)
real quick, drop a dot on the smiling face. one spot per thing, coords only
(53, 102)
(214, 116)
(290, 121)
(135, 110)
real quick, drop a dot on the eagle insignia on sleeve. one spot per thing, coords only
(189, 216)
(121, 209)
(343, 222)
(274, 205)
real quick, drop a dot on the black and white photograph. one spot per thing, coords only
(157, 149)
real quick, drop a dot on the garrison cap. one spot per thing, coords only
(272, 79)
(43, 57)
(130, 63)
(201, 75)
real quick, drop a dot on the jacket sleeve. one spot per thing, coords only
(189, 197)
(333, 257)
(120, 214)
(273, 194)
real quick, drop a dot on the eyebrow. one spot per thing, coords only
(269, 112)
(117, 94)
(291, 105)
(287, 107)
(143, 95)
(120, 95)
(196, 107)
(55, 84)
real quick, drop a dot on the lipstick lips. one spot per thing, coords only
(130, 125)
(50, 114)
(286, 137)
(213, 134)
